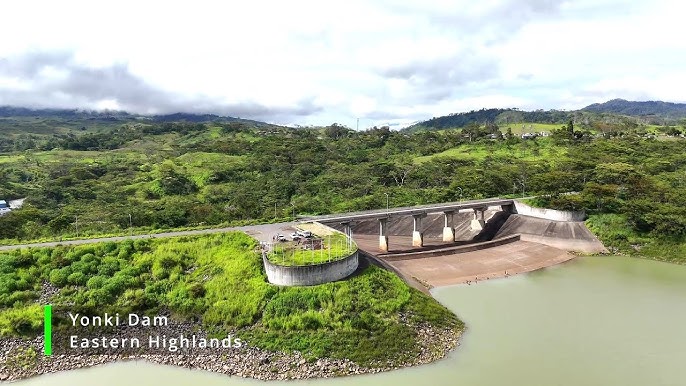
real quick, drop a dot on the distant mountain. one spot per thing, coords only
(200, 118)
(498, 116)
(14, 112)
(640, 109)
(611, 112)
(110, 115)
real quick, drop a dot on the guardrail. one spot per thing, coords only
(421, 209)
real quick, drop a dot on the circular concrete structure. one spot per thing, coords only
(303, 275)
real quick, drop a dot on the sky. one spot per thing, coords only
(382, 62)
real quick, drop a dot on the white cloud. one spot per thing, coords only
(313, 62)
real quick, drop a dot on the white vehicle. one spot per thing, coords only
(305, 234)
(281, 237)
(295, 236)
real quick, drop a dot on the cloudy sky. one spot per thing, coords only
(317, 62)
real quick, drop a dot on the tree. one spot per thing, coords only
(569, 129)
(401, 170)
(472, 130)
(336, 131)
(508, 133)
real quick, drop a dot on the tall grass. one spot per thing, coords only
(219, 281)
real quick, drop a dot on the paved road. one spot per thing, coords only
(262, 232)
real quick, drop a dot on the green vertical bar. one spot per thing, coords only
(47, 327)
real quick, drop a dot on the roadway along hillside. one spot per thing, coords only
(262, 232)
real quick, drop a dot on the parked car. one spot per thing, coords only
(305, 234)
(281, 238)
(295, 236)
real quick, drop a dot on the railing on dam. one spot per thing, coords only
(412, 210)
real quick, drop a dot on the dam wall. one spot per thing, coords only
(549, 214)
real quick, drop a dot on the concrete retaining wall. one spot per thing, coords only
(451, 250)
(549, 214)
(411, 281)
(310, 274)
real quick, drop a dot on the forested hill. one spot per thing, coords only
(616, 110)
(624, 107)
(15, 112)
(498, 116)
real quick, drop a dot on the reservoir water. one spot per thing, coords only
(593, 321)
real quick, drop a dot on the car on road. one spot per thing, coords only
(281, 238)
(305, 234)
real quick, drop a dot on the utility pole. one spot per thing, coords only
(358, 125)
(386, 201)
(130, 226)
(77, 226)
(274, 209)
(293, 211)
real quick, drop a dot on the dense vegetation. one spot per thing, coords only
(160, 175)
(499, 116)
(617, 113)
(219, 279)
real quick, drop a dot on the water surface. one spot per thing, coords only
(593, 321)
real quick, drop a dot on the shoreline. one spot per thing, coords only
(246, 362)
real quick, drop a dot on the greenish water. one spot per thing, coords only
(594, 321)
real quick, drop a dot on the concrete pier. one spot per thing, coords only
(417, 235)
(448, 228)
(478, 222)
(383, 234)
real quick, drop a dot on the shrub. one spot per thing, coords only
(24, 321)
(77, 278)
(59, 276)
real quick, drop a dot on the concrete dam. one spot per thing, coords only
(487, 241)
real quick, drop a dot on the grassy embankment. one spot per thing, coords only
(219, 279)
(617, 235)
(529, 127)
(540, 150)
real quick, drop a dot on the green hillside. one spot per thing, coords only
(617, 115)
(155, 176)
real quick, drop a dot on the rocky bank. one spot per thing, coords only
(20, 358)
